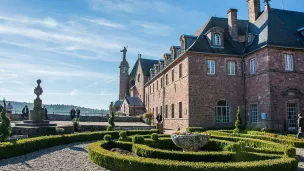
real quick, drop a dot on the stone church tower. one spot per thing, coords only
(124, 75)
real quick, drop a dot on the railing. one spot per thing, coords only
(67, 113)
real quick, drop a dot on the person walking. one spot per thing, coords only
(25, 112)
(77, 113)
(45, 113)
(9, 110)
(72, 113)
(1, 108)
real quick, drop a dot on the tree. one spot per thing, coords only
(5, 124)
(238, 123)
(111, 121)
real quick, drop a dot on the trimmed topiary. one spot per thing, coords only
(238, 122)
(154, 137)
(5, 124)
(107, 138)
(138, 139)
(111, 120)
(110, 128)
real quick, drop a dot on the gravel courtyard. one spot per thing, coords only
(73, 157)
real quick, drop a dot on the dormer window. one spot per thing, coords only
(217, 40)
(215, 37)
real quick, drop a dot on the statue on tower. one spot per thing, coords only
(124, 52)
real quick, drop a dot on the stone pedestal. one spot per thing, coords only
(160, 127)
(36, 125)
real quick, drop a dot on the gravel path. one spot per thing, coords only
(73, 157)
(300, 153)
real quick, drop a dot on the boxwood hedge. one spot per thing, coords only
(28, 145)
(119, 162)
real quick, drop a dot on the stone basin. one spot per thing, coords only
(190, 142)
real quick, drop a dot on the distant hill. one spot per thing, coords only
(57, 108)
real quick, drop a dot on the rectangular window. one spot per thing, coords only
(252, 66)
(153, 87)
(161, 110)
(153, 111)
(254, 113)
(166, 111)
(231, 68)
(172, 111)
(292, 116)
(288, 63)
(161, 83)
(150, 88)
(211, 67)
(180, 109)
(167, 81)
(180, 70)
(172, 75)
(157, 85)
(156, 111)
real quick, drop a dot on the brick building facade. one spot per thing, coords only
(257, 64)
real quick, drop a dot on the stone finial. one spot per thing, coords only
(38, 90)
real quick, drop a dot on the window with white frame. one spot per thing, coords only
(217, 40)
(211, 67)
(252, 66)
(222, 112)
(254, 113)
(288, 63)
(231, 68)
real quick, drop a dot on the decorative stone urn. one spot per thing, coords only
(190, 142)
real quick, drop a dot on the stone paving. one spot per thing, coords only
(300, 153)
(71, 157)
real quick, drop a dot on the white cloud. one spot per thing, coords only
(74, 92)
(95, 84)
(50, 22)
(155, 28)
(104, 22)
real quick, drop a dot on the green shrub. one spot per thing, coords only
(111, 119)
(146, 151)
(109, 128)
(28, 145)
(264, 150)
(120, 162)
(154, 137)
(142, 132)
(137, 139)
(195, 129)
(238, 123)
(5, 124)
(59, 131)
(201, 129)
(107, 138)
(290, 152)
(164, 143)
(76, 124)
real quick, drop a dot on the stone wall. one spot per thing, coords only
(205, 91)
(56, 117)
(266, 88)
(174, 92)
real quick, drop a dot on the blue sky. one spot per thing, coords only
(73, 45)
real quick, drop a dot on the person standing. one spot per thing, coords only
(9, 110)
(77, 113)
(25, 112)
(45, 113)
(72, 113)
(1, 108)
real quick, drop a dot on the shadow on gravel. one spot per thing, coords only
(78, 149)
(301, 159)
(31, 156)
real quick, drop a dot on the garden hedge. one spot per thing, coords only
(202, 129)
(28, 145)
(119, 162)
(277, 139)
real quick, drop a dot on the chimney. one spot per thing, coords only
(254, 9)
(232, 22)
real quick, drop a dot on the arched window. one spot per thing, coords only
(217, 40)
(138, 77)
(222, 112)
